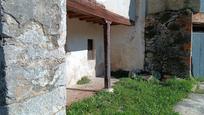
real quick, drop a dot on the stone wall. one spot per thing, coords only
(33, 34)
(156, 6)
(168, 42)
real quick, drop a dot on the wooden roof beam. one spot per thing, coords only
(74, 15)
(92, 19)
(97, 21)
(85, 17)
(89, 18)
(85, 8)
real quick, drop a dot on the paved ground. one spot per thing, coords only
(194, 105)
(79, 92)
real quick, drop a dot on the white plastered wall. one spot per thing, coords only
(120, 7)
(128, 44)
(78, 64)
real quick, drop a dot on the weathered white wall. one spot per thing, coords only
(78, 64)
(124, 8)
(127, 49)
(128, 42)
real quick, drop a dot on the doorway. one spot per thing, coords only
(198, 52)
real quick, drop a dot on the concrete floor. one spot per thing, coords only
(79, 92)
(194, 105)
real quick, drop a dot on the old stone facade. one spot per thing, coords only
(35, 69)
(168, 33)
(32, 80)
(156, 6)
(168, 42)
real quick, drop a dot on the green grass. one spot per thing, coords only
(84, 80)
(198, 90)
(135, 97)
(200, 79)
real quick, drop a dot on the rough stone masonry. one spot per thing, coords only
(33, 34)
(168, 42)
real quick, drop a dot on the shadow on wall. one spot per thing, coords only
(76, 35)
(132, 10)
(73, 44)
(3, 85)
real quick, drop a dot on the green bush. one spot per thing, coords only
(84, 80)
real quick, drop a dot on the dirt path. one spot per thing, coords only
(80, 92)
(194, 105)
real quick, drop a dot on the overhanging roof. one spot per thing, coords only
(198, 18)
(91, 11)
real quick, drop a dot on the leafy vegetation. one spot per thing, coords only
(200, 79)
(135, 97)
(84, 80)
(199, 90)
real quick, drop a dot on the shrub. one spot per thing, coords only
(84, 80)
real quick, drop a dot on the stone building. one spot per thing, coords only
(48, 45)
(169, 37)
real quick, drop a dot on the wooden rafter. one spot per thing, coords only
(101, 22)
(92, 19)
(85, 17)
(74, 15)
(85, 7)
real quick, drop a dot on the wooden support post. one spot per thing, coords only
(107, 47)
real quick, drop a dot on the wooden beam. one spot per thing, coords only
(86, 8)
(107, 47)
(93, 19)
(74, 15)
(85, 17)
(97, 21)
(198, 18)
